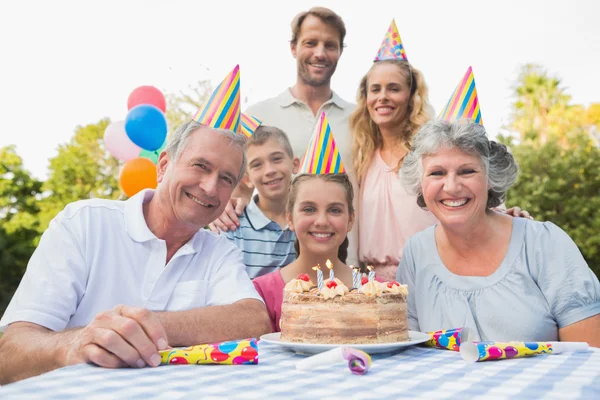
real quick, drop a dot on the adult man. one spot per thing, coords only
(180, 285)
(317, 44)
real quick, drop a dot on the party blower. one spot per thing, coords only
(237, 352)
(358, 361)
(484, 351)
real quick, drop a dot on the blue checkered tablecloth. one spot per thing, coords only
(411, 373)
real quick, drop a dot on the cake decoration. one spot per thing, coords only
(319, 276)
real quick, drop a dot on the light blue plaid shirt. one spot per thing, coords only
(264, 244)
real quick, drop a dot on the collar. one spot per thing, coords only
(286, 99)
(255, 216)
(137, 228)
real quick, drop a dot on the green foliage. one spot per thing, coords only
(182, 105)
(83, 169)
(19, 227)
(560, 183)
(559, 160)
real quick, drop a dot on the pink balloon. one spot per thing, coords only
(118, 143)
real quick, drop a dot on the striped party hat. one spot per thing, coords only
(463, 103)
(391, 47)
(322, 155)
(249, 125)
(222, 110)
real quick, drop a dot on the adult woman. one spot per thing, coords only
(391, 106)
(506, 278)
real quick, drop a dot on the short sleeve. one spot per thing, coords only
(230, 282)
(54, 281)
(562, 274)
(406, 276)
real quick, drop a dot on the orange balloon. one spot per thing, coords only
(137, 174)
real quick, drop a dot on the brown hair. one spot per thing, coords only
(263, 133)
(366, 136)
(324, 14)
(340, 179)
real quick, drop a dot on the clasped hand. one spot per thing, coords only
(121, 337)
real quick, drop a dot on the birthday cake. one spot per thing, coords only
(375, 312)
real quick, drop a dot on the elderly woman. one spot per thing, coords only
(506, 278)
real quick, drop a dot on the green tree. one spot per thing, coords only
(19, 228)
(182, 105)
(537, 97)
(559, 160)
(83, 169)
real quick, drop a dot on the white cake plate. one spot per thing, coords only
(371, 348)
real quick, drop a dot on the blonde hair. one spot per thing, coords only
(366, 136)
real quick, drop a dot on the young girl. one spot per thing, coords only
(320, 212)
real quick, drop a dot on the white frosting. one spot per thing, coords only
(371, 289)
(330, 293)
(298, 286)
(339, 283)
(396, 289)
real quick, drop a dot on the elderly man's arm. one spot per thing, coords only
(123, 336)
(243, 319)
(28, 349)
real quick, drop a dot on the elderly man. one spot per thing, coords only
(114, 282)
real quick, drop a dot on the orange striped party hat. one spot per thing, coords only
(463, 103)
(222, 110)
(249, 125)
(322, 155)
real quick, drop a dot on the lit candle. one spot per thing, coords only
(358, 277)
(330, 266)
(354, 276)
(319, 276)
(371, 273)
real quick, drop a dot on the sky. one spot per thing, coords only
(68, 63)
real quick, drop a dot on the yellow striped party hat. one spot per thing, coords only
(222, 110)
(463, 103)
(249, 125)
(322, 155)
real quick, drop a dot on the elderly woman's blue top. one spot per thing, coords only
(542, 285)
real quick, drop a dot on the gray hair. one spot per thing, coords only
(500, 166)
(180, 136)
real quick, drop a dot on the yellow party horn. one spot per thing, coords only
(485, 351)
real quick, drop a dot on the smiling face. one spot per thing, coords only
(388, 95)
(199, 183)
(320, 217)
(270, 169)
(317, 51)
(455, 187)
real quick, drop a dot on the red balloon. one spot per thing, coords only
(249, 353)
(147, 95)
(178, 360)
(217, 356)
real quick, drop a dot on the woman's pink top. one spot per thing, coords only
(270, 287)
(388, 216)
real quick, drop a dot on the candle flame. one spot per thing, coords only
(369, 267)
(316, 267)
(329, 264)
(351, 267)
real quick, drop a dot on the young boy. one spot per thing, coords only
(263, 235)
